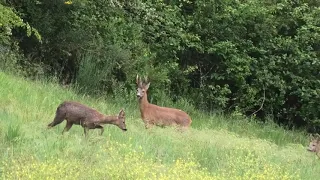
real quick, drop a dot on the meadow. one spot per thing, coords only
(216, 147)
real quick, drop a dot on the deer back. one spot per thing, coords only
(166, 116)
(75, 111)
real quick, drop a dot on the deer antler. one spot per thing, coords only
(145, 79)
(137, 79)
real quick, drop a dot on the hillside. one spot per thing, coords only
(215, 147)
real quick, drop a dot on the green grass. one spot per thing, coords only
(216, 147)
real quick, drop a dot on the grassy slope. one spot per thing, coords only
(215, 148)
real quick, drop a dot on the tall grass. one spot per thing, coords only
(216, 147)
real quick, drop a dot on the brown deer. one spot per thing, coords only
(152, 114)
(314, 145)
(88, 118)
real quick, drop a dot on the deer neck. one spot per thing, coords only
(109, 119)
(143, 102)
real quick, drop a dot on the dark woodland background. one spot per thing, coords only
(255, 57)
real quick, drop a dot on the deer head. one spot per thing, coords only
(142, 87)
(314, 143)
(121, 123)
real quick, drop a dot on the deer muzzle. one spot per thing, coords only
(310, 149)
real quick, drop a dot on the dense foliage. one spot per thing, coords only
(254, 57)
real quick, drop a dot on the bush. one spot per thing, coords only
(255, 57)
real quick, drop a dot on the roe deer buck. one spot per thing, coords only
(152, 114)
(88, 118)
(314, 145)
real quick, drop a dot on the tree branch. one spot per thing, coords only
(264, 97)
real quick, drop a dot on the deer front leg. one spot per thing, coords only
(68, 126)
(148, 125)
(85, 129)
(99, 127)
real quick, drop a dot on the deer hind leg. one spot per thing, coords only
(60, 116)
(68, 126)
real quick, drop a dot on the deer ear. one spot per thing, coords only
(122, 113)
(311, 137)
(147, 86)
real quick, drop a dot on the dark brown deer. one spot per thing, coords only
(88, 118)
(152, 114)
(314, 145)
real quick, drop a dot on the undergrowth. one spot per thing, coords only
(215, 147)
